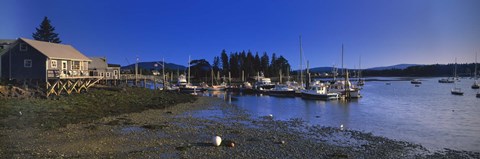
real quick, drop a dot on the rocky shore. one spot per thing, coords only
(185, 130)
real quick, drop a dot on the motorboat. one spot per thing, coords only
(416, 81)
(446, 80)
(282, 90)
(263, 83)
(319, 91)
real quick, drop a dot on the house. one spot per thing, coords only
(100, 67)
(27, 59)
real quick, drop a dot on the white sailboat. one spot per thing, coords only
(456, 90)
(475, 85)
(344, 87)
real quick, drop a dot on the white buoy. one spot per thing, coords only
(20, 112)
(270, 115)
(341, 126)
(216, 140)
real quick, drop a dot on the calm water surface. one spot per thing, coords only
(427, 115)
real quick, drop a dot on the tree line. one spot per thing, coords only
(436, 70)
(235, 62)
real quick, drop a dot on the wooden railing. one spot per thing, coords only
(55, 73)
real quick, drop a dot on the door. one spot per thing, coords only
(64, 67)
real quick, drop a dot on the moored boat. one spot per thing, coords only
(282, 90)
(263, 83)
(345, 89)
(476, 84)
(416, 81)
(446, 80)
(457, 91)
(319, 91)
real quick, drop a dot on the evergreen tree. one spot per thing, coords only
(45, 32)
(216, 63)
(225, 64)
(264, 63)
(256, 63)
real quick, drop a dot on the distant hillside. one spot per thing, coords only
(399, 66)
(151, 66)
(321, 69)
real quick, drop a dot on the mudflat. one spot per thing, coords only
(170, 125)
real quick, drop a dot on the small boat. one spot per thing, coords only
(457, 91)
(478, 94)
(446, 80)
(319, 91)
(282, 91)
(263, 83)
(416, 81)
(476, 85)
(345, 88)
(220, 87)
(388, 83)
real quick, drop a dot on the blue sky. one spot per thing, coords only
(382, 32)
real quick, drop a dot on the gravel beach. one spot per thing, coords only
(186, 131)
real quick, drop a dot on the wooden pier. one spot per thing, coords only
(57, 83)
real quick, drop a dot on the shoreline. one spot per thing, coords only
(185, 130)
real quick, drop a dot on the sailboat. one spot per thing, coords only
(344, 87)
(360, 81)
(476, 85)
(456, 90)
(220, 87)
(188, 87)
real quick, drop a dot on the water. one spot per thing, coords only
(428, 115)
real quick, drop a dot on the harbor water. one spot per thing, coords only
(427, 114)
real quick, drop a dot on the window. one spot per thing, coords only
(54, 63)
(101, 74)
(75, 65)
(115, 72)
(23, 47)
(108, 74)
(27, 63)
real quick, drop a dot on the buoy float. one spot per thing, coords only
(216, 141)
(270, 115)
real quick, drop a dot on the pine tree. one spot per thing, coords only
(45, 32)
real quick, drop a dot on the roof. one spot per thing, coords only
(98, 63)
(56, 51)
(113, 65)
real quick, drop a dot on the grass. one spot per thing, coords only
(85, 107)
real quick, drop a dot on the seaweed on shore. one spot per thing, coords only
(85, 107)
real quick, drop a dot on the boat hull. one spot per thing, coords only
(457, 93)
(330, 96)
(282, 93)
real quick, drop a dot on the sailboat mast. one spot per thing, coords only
(455, 72)
(343, 69)
(188, 82)
(475, 65)
(301, 64)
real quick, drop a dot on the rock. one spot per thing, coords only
(231, 144)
